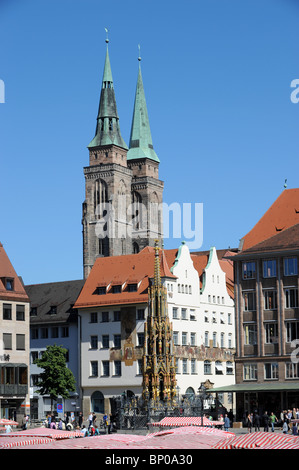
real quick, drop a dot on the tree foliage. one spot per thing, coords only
(55, 379)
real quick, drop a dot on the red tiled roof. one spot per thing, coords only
(288, 239)
(7, 271)
(283, 213)
(122, 270)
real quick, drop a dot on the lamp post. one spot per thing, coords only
(203, 397)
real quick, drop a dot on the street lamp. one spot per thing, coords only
(202, 391)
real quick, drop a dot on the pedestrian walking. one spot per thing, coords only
(226, 423)
(90, 420)
(285, 427)
(249, 422)
(80, 419)
(256, 421)
(273, 420)
(266, 421)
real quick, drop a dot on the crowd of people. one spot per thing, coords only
(267, 421)
(92, 429)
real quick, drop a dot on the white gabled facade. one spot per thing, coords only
(217, 325)
(203, 323)
(202, 315)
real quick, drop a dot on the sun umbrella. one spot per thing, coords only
(11, 422)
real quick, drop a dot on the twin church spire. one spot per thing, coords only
(108, 129)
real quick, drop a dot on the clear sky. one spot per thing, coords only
(217, 77)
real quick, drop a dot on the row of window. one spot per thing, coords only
(214, 317)
(7, 312)
(183, 314)
(183, 366)
(215, 299)
(290, 268)
(270, 299)
(270, 332)
(106, 342)
(271, 371)
(190, 339)
(105, 317)
(7, 339)
(39, 354)
(49, 332)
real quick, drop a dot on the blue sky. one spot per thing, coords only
(217, 77)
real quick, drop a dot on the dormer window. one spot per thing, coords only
(33, 311)
(101, 290)
(116, 289)
(53, 310)
(9, 284)
(132, 287)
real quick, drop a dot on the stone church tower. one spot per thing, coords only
(122, 211)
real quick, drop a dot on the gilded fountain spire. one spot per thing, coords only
(159, 380)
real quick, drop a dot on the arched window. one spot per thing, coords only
(135, 248)
(190, 393)
(100, 197)
(136, 210)
(97, 402)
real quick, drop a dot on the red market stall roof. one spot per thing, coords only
(187, 421)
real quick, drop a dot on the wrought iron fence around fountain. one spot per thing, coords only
(135, 413)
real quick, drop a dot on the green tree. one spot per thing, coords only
(56, 379)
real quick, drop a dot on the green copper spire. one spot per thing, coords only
(107, 130)
(141, 145)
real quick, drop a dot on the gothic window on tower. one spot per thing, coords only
(136, 210)
(100, 198)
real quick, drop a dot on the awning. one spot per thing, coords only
(258, 387)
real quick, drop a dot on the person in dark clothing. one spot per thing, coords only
(266, 421)
(256, 421)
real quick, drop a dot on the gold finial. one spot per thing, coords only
(157, 264)
(139, 57)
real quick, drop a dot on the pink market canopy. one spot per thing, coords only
(46, 432)
(189, 438)
(259, 440)
(187, 421)
(8, 442)
(11, 422)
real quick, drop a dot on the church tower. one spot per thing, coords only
(123, 195)
(147, 189)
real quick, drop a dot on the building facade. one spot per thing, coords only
(14, 343)
(113, 307)
(267, 313)
(123, 194)
(53, 320)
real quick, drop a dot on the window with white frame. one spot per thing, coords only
(270, 299)
(291, 297)
(230, 340)
(175, 314)
(175, 336)
(250, 371)
(184, 338)
(271, 333)
(271, 370)
(222, 340)
(292, 330)
(218, 368)
(207, 367)
(292, 370)
(249, 301)
(94, 342)
(185, 366)
(206, 339)
(193, 339)
(193, 366)
(214, 339)
(250, 334)
(229, 368)
(184, 314)
(105, 368)
(192, 315)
